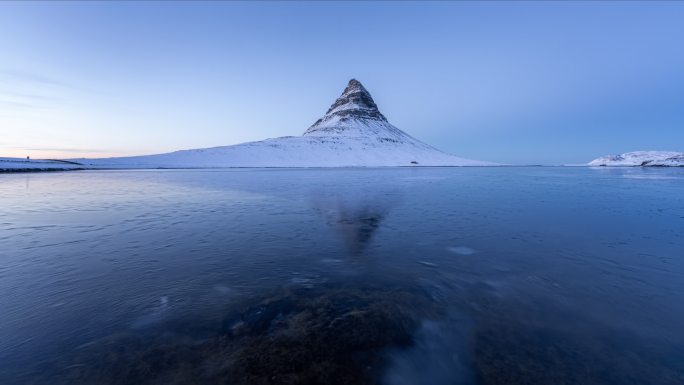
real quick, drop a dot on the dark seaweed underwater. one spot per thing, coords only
(512, 275)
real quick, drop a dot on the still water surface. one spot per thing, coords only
(343, 276)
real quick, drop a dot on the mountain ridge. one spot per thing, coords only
(355, 104)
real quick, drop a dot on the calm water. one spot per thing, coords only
(388, 276)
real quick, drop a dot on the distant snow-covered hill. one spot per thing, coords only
(352, 133)
(22, 164)
(642, 158)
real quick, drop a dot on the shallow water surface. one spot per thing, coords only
(343, 276)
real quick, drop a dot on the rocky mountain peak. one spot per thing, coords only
(355, 103)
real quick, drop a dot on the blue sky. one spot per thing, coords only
(536, 82)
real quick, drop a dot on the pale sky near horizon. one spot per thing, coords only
(534, 82)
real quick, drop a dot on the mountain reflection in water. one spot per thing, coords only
(355, 215)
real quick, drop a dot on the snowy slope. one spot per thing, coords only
(352, 133)
(642, 158)
(299, 151)
(21, 164)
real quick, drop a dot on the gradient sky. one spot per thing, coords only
(537, 82)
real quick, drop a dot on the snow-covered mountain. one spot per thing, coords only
(642, 158)
(352, 133)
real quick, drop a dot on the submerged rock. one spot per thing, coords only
(374, 334)
(323, 336)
